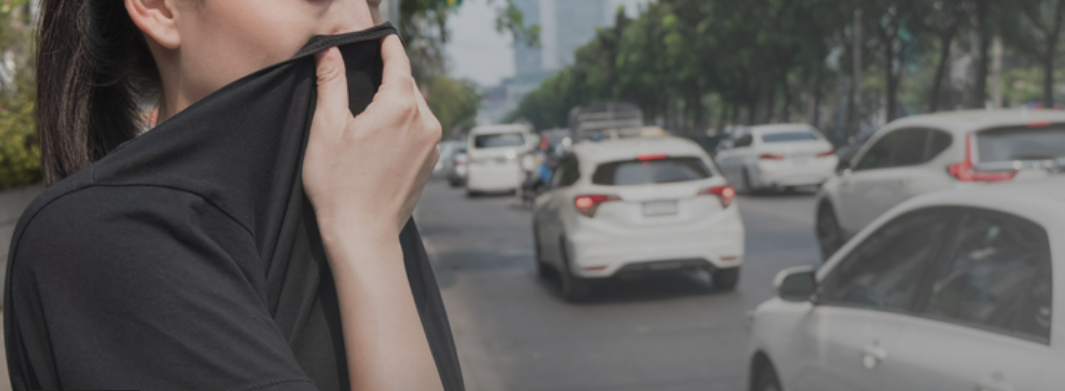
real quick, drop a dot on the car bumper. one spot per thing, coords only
(718, 243)
(493, 179)
(785, 174)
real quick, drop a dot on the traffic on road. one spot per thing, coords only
(925, 261)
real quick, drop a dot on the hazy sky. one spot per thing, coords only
(478, 52)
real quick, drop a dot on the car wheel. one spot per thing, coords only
(472, 194)
(765, 379)
(574, 289)
(542, 269)
(747, 182)
(453, 183)
(829, 234)
(726, 279)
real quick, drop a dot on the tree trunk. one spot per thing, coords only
(854, 94)
(891, 77)
(1048, 73)
(945, 41)
(785, 115)
(815, 117)
(770, 104)
(978, 100)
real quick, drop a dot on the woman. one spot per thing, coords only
(188, 257)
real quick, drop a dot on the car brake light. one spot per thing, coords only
(771, 156)
(966, 170)
(827, 153)
(1039, 124)
(726, 194)
(588, 204)
(644, 158)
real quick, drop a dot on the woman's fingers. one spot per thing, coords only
(397, 64)
(332, 107)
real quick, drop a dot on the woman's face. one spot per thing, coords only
(224, 40)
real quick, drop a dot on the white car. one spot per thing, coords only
(950, 291)
(927, 153)
(777, 156)
(636, 206)
(493, 153)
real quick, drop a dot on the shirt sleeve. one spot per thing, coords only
(146, 289)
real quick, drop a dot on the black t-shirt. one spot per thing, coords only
(189, 258)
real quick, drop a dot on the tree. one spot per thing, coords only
(454, 102)
(1045, 18)
(943, 19)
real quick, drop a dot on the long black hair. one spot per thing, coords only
(94, 69)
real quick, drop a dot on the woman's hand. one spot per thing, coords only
(367, 172)
(364, 174)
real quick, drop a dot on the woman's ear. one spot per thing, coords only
(156, 18)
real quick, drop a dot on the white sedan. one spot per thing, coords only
(950, 291)
(636, 206)
(777, 156)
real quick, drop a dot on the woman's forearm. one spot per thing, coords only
(383, 336)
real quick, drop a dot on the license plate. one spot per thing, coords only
(660, 208)
(802, 159)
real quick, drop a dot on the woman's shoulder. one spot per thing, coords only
(80, 218)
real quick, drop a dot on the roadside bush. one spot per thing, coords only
(20, 157)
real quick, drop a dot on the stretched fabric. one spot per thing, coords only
(189, 258)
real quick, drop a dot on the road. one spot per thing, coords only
(514, 331)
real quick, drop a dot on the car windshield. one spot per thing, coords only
(646, 172)
(788, 137)
(499, 140)
(1027, 143)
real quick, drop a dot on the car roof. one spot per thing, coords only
(969, 120)
(513, 128)
(1041, 200)
(780, 128)
(630, 148)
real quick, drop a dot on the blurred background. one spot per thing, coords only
(760, 195)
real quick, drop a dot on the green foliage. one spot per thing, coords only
(20, 157)
(454, 102)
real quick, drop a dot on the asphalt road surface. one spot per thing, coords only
(515, 332)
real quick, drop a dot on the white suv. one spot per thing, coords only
(951, 291)
(636, 206)
(927, 153)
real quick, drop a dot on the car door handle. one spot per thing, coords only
(872, 355)
(995, 383)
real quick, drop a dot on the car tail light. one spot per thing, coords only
(645, 158)
(771, 156)
(1039, 124)
(827, 153)
(726, 194)
(966, 170)
(588, 204)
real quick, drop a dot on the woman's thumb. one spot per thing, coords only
(332, 86)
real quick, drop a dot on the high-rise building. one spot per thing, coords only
(565, 26)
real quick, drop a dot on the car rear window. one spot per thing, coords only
(1013, 144)
(501, 140)
(637, 172)
(788, 137)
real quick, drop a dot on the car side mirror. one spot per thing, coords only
(797, 284)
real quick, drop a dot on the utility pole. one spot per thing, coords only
(996, 72)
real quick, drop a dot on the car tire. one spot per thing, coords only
(765, 378)
(453, 183)
(574, 288)
(829, 234)
(472, 194)
(747, 187)
(726, 279)
(542, 269)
